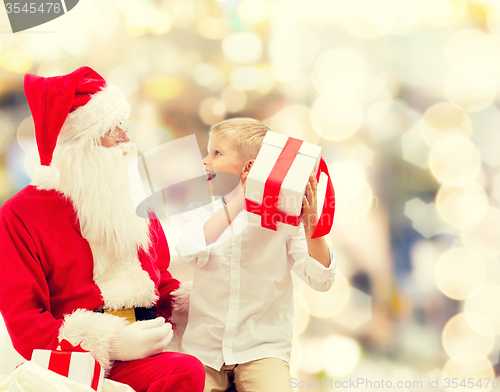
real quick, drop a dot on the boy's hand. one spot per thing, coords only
(317, 247)
(309, 207)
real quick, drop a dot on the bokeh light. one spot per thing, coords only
(341, 355)
(441, 13)
(30, 159)
(336, 118)
(471, 93)
(163, 88)
(212, 28)
(312, 362)
(459, 272)
(465, 334)
(207, 75)
(295, 121)
(471, 52)
(468, 366)
(58, 65)
(354, 196)
(493, 20)
(26, 134)
(455, 160)
(340, 71)
(444, 119)
(212, 110)
(372, 19)
(292, 48)
(246, 78)
(15, 61)
(484, 238)
(254, 11)
(485, 302)
(462, 206)
(241, 48)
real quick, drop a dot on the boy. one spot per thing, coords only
(241, 308)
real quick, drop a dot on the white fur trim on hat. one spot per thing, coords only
(105, 110)
(94, 331)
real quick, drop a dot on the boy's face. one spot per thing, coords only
(222, 157)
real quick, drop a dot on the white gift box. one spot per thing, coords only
(293, 186)
(77, 366)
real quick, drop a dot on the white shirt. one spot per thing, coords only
(241, 306)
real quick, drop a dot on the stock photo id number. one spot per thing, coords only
(24, 15)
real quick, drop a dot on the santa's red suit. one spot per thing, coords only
(54, 275)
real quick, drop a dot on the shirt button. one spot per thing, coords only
(235, 266)
(234, 291)
(231, 318)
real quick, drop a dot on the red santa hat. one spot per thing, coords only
(80, 105)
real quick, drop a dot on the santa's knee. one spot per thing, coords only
(191, 372)
(194, 368)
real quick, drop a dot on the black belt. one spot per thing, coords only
(132, 314)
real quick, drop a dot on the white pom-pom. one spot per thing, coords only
(46, 177)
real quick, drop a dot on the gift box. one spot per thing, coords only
(278, 180)
(72, 362)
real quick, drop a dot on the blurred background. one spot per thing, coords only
(403, 97)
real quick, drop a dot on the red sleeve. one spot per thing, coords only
(167, 282)
(24, 293)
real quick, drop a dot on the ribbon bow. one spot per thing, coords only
(67, 346)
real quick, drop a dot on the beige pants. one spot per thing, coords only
(263, 375)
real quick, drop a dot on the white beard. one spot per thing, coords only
(96, 180)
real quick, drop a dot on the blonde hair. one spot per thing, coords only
(245, 135)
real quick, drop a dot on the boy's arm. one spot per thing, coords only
(307, 268)
(317, 247)
(217, 224)
(311, 259)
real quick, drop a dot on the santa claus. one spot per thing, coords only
(76, 262)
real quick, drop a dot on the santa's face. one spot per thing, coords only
(112, 138)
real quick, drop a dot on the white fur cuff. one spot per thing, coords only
(94, 331)
(180, 312)
(181, 296)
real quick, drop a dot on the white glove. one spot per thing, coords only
(141, 339)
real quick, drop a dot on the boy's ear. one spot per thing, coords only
(247, 167)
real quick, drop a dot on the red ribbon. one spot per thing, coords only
(60, 361)
(274, 181)
(268, 210)
(325, 221)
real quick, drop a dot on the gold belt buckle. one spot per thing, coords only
(128, 314)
